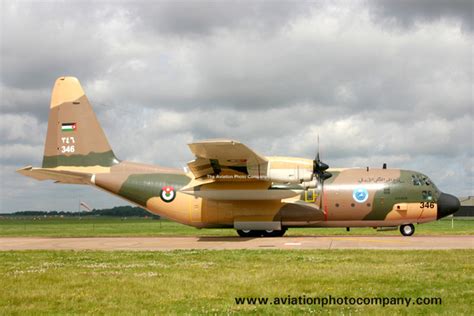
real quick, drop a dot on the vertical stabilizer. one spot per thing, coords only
(74, 137)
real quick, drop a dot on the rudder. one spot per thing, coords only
(75, 137)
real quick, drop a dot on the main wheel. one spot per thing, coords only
(245, 233)
(250, 233)
(274, 233)
(407, 230)
(260, 233)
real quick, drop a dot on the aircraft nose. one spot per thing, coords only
(447, 205)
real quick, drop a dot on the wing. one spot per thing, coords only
(226, 158)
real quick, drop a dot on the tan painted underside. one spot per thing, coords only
(412, 212)
(90, 169)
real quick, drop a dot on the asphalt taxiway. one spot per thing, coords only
(218, 243)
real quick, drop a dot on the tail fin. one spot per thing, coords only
(74, 137)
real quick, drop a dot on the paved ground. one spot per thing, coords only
(171, 243)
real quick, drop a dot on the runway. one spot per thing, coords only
(220, 243)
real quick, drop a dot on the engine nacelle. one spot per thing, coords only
(290, 170)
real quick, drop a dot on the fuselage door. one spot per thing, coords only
(196, 210)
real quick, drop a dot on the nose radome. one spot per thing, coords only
(447, 205)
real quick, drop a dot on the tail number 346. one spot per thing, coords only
(68, 145)
(427, 205)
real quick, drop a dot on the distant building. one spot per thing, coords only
(467, 206)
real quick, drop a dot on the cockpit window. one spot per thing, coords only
(427, 195)
(418, 180)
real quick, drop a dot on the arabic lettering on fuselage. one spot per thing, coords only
(379, 180)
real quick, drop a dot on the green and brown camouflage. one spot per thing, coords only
(74, 136)
(230, 185)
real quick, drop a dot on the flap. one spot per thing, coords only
(226, 157)
(226, 151)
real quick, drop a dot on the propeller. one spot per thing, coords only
(319, 171)
(319, 167)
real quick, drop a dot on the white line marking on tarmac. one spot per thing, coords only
(373, 240)
(292, 244)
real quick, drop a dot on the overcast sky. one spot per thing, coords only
(380, 81)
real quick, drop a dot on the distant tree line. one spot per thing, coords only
(118, 211)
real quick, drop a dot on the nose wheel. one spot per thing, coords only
(407, 230)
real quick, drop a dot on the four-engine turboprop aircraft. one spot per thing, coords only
(230, 185)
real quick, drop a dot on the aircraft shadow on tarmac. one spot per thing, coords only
(339, 237)
(243, 239)
(225, 238)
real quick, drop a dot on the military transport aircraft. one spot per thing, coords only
(230, 185)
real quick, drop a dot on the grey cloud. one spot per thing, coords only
(44, 40)
(413, 75)
(204, 18)
(16, 100)
(243, 68)
(20, 129)
(408, 13)
(20, 154)
(294, 130)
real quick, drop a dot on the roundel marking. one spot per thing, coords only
(360, 195)
(167, 194)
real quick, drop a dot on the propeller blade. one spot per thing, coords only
(326, 175)
(320, 167)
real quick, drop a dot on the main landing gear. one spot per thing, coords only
(261, 233)
(407, 230)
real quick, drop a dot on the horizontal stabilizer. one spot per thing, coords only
(60, 176)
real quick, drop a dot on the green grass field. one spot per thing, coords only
(97, 226)
(207, 282)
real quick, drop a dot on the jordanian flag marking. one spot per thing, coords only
(68, 127)
(167, 194)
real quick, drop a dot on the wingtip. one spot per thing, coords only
(26, 168)
(25, 171)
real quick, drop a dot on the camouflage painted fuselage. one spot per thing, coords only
(394, 197)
